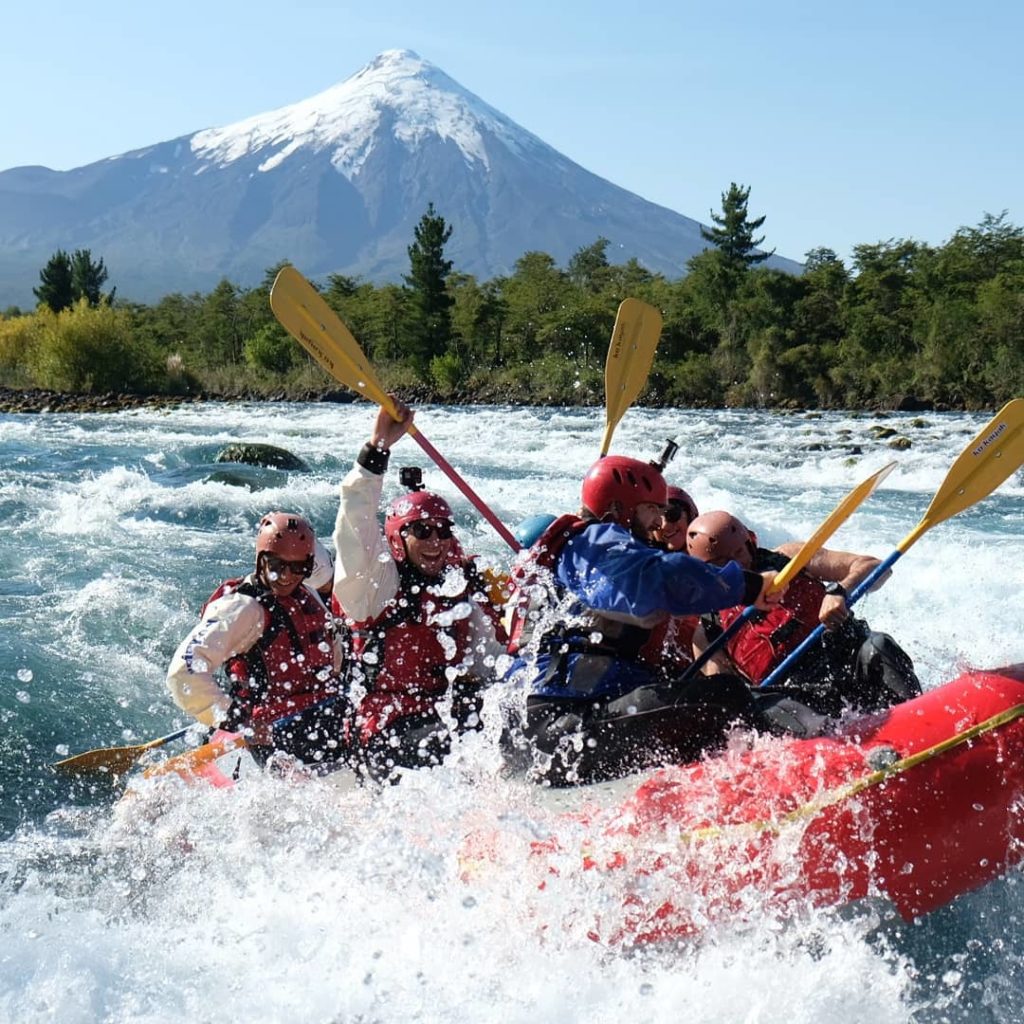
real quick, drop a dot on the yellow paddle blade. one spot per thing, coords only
(988, 460)
(839, 515)
(305, 315)
(630, 355)
(115, 760)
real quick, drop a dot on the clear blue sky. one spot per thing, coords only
(851, 123)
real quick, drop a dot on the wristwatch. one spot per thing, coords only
(835, 589)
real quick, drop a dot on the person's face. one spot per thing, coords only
(428, 543)
(280, 576)
(647, 519)
(672, 532)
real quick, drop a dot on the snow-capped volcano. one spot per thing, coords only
(398, 91)
(334, 183)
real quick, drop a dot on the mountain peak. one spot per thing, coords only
(398, 90)
(336, 183)
(394, 60)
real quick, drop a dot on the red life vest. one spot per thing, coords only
(405, 654)
(531, 576)
(667, 647)
(768, 637)
(291, 666)
(670, 645)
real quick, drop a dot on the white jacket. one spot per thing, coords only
(229, 626)
(365, 574)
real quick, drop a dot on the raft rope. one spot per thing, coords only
(850, 789)
(846, 790)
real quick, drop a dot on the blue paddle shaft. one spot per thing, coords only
(717, 644)
(789, 663)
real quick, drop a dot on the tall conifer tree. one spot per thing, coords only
(88, 278)
(733, 234)
(56, 287)
(430, 320)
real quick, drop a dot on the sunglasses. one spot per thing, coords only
(424, 531)
(278, 566)
(673, 512)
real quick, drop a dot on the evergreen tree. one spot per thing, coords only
(430, 321)
(588, 267)
(56, 287)
(88, 278)
(270, 274)
(491, 315)
(220, 330)
(733, 234)
(535, 291)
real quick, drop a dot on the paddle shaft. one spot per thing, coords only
(442, 463)
(304, 313)
(807, 551)
(995, 453)
(717, 644)
(816, 634)
(188, 762)
(169, 738)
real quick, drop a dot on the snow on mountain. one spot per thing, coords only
(400, 89)
(334, 183)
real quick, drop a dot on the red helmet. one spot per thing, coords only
(287, 536)
(630, 482)
(407, 509)
(718, 537)
(677, 496)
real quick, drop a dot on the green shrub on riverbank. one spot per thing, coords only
(82, 349)
(903, 323)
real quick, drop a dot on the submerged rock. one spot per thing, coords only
(260, 455)
(253, 478)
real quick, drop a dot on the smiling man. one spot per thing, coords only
(423, 629)
(600, 700)
(274, 639)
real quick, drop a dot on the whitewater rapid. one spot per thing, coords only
(314, 901)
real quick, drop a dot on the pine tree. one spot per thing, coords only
(430, 320)
(88, 278)
(56, 286)
(733, 234)
(588, 268)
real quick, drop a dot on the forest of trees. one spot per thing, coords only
(944, 324)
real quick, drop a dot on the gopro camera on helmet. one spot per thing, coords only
(411, 477)
(667, 455)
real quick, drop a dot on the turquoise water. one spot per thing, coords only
(303, 903)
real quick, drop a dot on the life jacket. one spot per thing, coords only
(407, 656)
(532, 580)
(535, 594)
(291, 665)
(764, 641)
(669, 648)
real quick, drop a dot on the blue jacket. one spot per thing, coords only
(620, 580)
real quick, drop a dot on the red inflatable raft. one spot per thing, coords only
(918, 804)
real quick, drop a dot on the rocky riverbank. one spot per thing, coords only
(38, 400)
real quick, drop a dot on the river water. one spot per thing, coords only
(287, 901)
